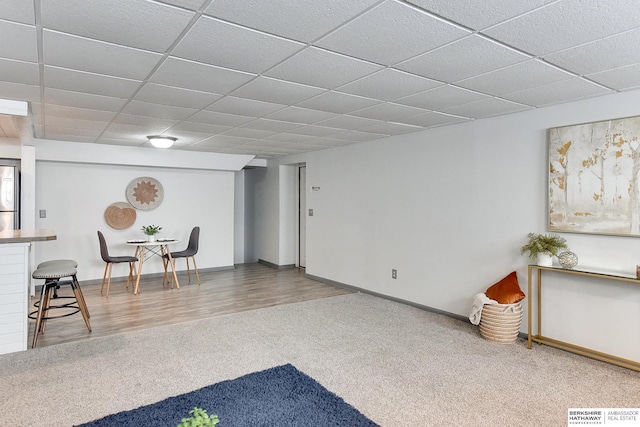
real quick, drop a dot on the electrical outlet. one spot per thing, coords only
(394, 274)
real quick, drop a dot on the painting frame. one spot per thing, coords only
(594, 177)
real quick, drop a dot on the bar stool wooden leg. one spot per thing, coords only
(47, 304)
(83, 308)
(80, 296)
(44, 295)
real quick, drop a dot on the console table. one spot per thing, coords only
(539, 338)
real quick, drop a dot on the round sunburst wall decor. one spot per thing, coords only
(120, 215)
(145, 193)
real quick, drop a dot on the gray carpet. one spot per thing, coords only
(398, 365)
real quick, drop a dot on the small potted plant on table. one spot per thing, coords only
(543, 247)
(151, 231)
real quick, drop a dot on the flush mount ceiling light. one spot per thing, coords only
(160, 141)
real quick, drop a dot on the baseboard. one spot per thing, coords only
(399, 300)
(151, 276)
(276, 266)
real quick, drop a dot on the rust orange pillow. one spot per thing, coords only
(506, 291)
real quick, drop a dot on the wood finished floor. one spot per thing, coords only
(247, 287)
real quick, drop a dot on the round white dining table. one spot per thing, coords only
(159, 247)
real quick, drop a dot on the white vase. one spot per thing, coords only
(151, 238)
(545, 260)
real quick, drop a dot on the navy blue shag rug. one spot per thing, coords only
(281, 396)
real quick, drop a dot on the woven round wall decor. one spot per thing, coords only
(120, 215)
(145, 193)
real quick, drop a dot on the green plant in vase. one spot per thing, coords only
(543, 247)
(151, 231)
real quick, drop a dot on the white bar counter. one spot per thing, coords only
(15, 275)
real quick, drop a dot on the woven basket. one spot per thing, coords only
(501, 322)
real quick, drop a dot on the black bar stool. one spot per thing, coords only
(52, 272)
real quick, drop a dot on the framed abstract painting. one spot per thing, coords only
(593, 177)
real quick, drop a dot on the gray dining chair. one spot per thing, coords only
(110, 260)
(189, 252)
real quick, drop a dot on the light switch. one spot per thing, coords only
(310, 212)
(43, 213)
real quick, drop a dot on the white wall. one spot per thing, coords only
(75, 196)
(449, 209)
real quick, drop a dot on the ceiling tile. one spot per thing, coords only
(82, 100)
(248, 107)
(207, 128)
(135, 23)
(158, 123)
(158, 110)
(69, 134)
(388, 111)
(19, 92)
(285, 137)
(196, 76)
(249, 133)
(21, 72)
(564, 24)
(73, 123)
(376, 35)
(23, 44)
(52, 110)
(431, 119)
(188, 4)
(227, 45)
(303, 20)
(278, 91)
(300, 115)
(134, 132)
(482, 14)
(221, 119)
(624, 78)
(441, 97)
(347, 122)
(605, 54)
(336, 102)
(18, 11)
(63, 50)
(314, 130)
(487, 108)
(226, 140)
(390, 128)
(79, 81)
(463, 58)
(556, 93)
(357, 136)
(389, 84)
(271, 125)
(168, 95)
(525, 75)
(322, 68)
(60, 126)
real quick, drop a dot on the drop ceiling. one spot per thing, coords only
(279, 77)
